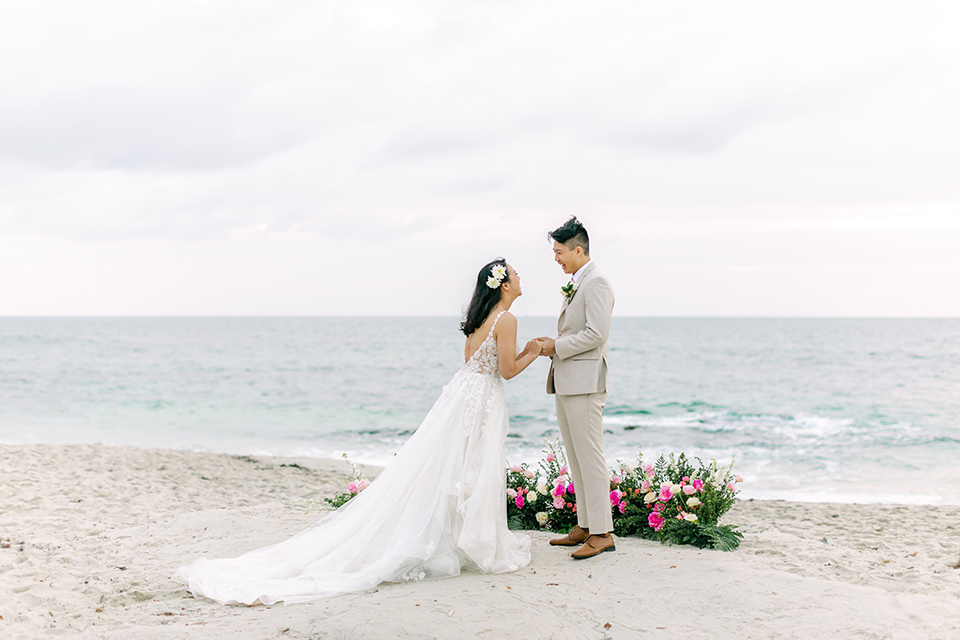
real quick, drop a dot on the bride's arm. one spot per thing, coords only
(506, 335)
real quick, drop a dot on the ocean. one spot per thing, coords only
(831, 410)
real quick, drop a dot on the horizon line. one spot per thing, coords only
(426, 316)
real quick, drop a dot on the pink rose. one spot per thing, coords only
(516, 468)
(732, 488)
(616, 479)
(686, 478)
(570, 488)
(648, 469)
(363, 484)
(352, 487)
(739, 478)
(558, 503)
(659, 507)
(528, 474)
(511, 494)
(698, 484)
(564, 469)
(622, 507)
(665, 493)
(551, 457)
(519, 502)
(645, 486)
(689, 489)
(655, 520)
(614, 497)
(559, 490)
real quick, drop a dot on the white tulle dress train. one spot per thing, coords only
(438, 508)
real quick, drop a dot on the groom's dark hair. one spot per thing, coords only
(573, 234)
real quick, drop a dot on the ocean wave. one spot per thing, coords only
(774, 429)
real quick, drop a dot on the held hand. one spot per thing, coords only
(535, 347)
(549, 346)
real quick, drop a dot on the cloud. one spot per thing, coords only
(118, 127)
(432, 143)
(384, 126)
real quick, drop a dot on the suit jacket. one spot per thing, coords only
(580, 365)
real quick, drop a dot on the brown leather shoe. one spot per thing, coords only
(575, 537)
(594, 545)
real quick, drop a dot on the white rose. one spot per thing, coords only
(531, 496)
(676, 489)
(650, 497)
(542, 488)
(511, 494)
(542, 518)
(529, 474)
(690, 517)
(692, 502)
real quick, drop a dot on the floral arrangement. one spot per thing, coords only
(675, 500)
(672, 500)
(358, 484)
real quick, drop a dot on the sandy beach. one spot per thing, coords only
(90, 537)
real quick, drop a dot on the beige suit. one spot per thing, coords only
(578, 377)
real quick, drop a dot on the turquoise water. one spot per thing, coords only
(814, 409)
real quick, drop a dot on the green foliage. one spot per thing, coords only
(724, 538)
(339, 500)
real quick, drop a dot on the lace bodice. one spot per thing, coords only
(484, 360)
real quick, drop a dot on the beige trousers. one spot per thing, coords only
(581, 425)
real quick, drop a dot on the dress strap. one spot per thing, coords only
(495, 323)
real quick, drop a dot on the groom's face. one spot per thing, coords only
(569, 259)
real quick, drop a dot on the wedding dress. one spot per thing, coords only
(439, 507)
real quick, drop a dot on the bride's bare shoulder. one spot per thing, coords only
(506, 320)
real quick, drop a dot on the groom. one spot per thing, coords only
(578, 377)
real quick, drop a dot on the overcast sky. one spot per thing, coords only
(367, 157)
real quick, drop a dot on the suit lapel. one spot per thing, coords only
(583, 280)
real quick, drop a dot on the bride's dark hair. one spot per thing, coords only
(484, 298)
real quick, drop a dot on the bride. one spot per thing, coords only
(439, 507)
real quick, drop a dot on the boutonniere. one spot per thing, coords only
(569, 290)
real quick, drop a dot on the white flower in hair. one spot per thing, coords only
(499, 272)
(492, 282)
